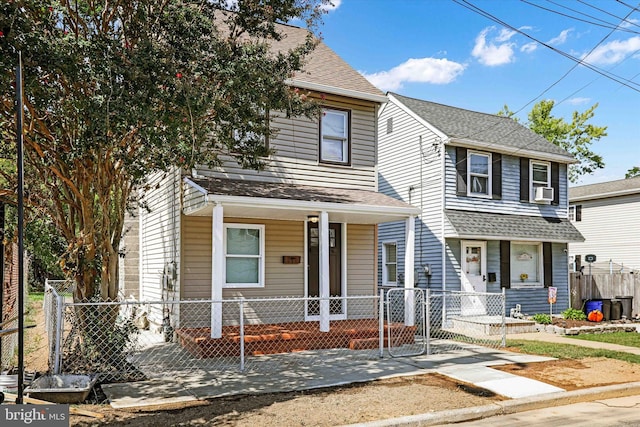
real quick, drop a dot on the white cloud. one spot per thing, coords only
(417, 70)
(560, 38)
(614, 51)
(331, 5)
(578, 101)
(494, 52)
(505, 35)
(529, 47)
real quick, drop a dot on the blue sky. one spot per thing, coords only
(441, 51)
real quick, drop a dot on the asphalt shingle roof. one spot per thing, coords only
(458, 123)
(605, 189)
(512, 227)
(324, 66)
(270, 190)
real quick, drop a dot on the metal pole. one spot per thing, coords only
(503, 327)
(1, 271)
(381, 323)
(427, 334)
(57, 362)
(242, 334)
(19, 142)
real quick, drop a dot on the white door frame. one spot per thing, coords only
(343, 274)
(471, 282)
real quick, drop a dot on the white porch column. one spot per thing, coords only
(217, 268)
(323, 234)
(409, 259)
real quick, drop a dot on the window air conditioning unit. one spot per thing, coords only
(544, 194)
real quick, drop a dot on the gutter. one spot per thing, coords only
(337, 91)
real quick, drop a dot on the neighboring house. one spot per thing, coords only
(607, 216)
(493, 201)
(304, 227)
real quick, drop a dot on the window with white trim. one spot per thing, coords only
(479, 174)
(540, 177)
(244, 255)
(334, 136)
(572, 213)
(389, 263)
(526, 265)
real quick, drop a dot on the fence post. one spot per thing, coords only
(427, 334)
(241, 334)
(381, 322)
(57, 361)
(503, 326)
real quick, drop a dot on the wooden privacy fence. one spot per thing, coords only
(604, 286)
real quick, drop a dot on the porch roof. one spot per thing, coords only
(475, 225)
(256, 199)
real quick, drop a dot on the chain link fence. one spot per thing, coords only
(130, 340)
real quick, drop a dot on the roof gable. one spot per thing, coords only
(325, 69)
(475, 128)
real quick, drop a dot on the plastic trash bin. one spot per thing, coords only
(627, 304)
(606, 309)
(616, 309)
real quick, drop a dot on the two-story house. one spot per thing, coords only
(304, 227)
(607, 215)
(493, 204)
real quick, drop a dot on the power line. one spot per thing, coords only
(604, 24)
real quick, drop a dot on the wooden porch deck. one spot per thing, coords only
(291, 337)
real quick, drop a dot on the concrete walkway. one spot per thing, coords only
(471, 365)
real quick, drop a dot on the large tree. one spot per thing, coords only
(633, 172)
(576, 136)
(117, 89)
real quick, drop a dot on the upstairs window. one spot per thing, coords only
(540, 177)
(575, 213)
(479, 170)
(334, 136)
(389, 264)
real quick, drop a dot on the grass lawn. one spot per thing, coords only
(566, 351)
(630, 339)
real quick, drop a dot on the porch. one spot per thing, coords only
(262, 339)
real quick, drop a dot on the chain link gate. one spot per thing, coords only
(407, 320)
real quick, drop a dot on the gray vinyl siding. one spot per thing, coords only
(297, 146)
(611, 230)
(403, 165)
(532, 301)
(535, 300)
(160, 237)
(510, 201)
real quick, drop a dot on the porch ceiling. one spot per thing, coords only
(251, 199)
(484, 225)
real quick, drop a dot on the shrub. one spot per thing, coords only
(574, 314)
(543, 319)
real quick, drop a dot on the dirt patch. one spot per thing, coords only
(367, 402)
(327, 407)
(571, 374)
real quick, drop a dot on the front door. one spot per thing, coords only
(474, 277)
(335, 268)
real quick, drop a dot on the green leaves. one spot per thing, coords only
(117, 90)
(576, 137)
